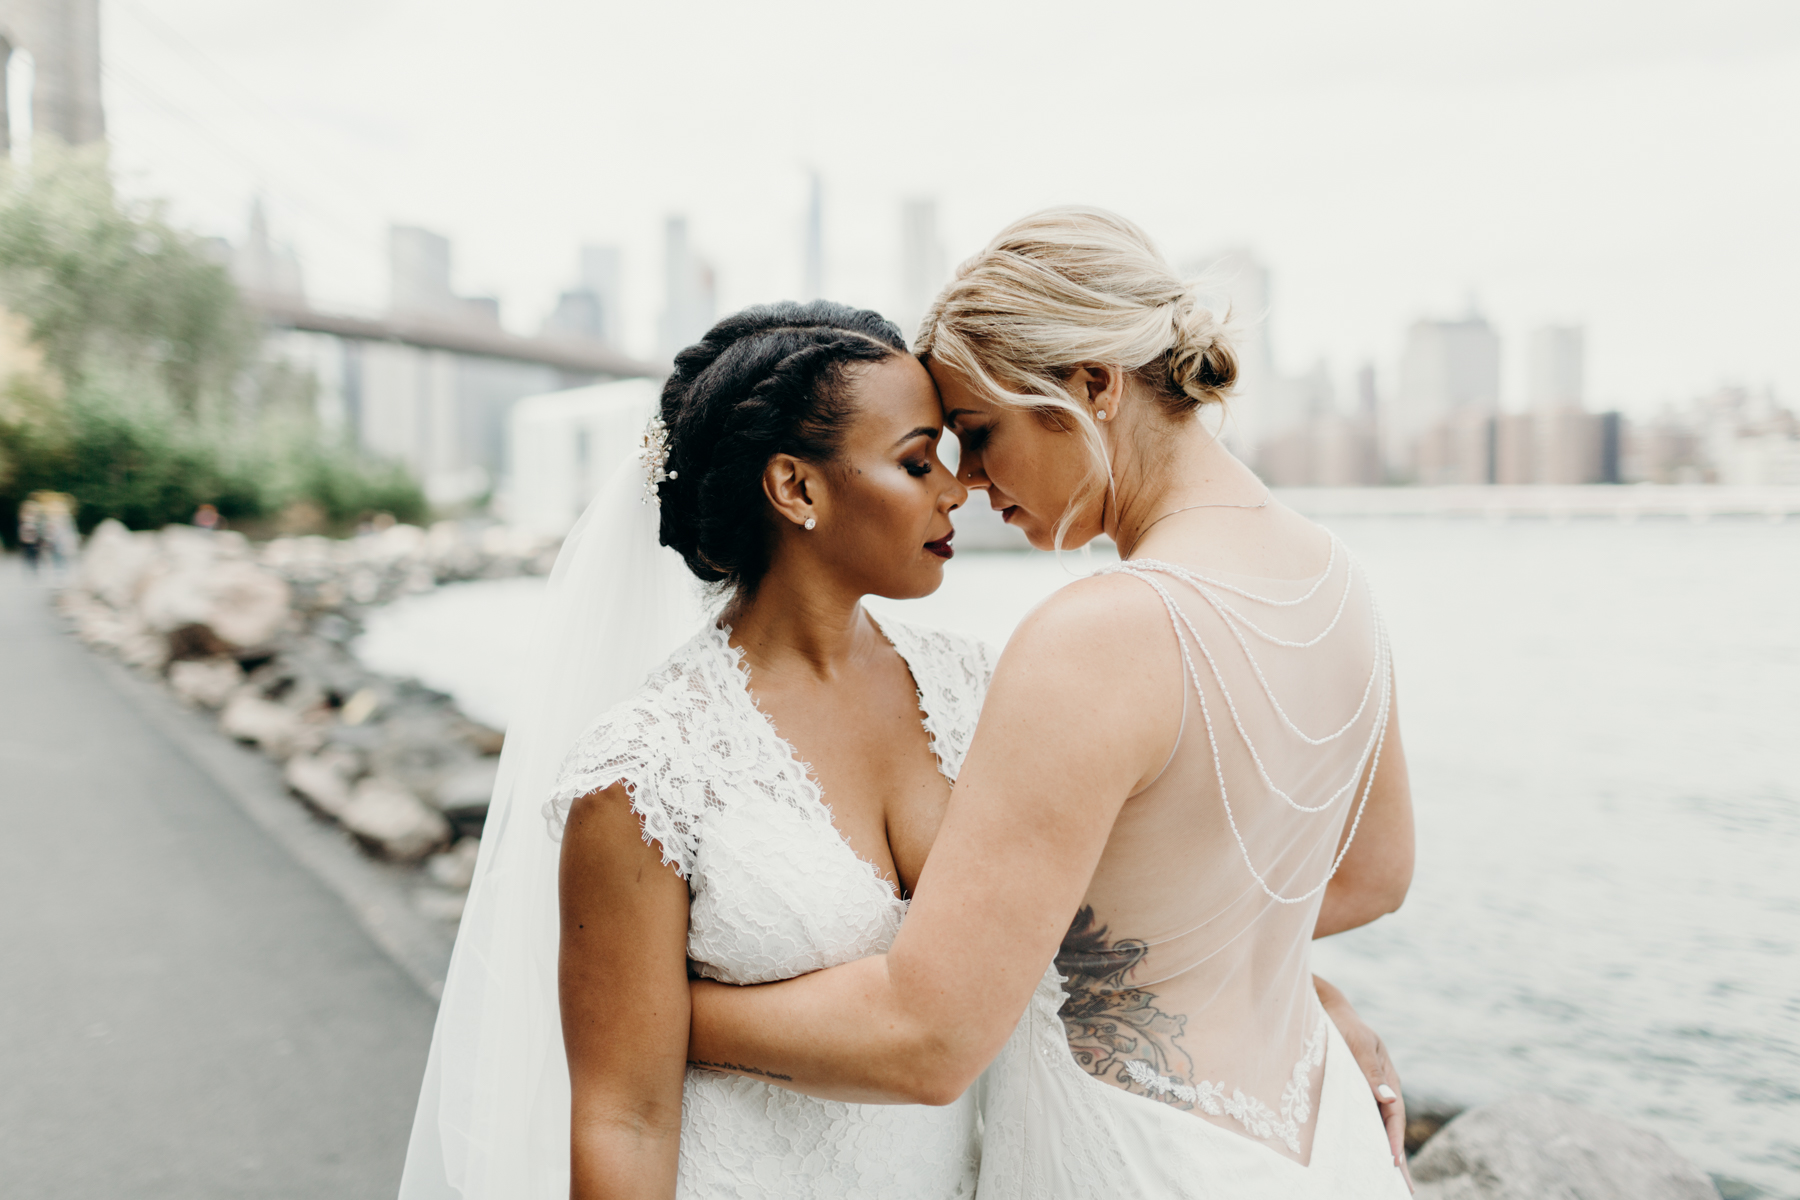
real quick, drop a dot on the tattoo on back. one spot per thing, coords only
(1109, 1022)
(740, 1069)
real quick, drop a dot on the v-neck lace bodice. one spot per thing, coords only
(776, 891)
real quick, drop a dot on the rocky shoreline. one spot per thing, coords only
(261, 635)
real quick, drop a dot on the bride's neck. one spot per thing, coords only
(792, 624)
(1170, 469)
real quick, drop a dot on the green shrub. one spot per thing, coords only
(153, 401)
(347, 487)
(149, 468)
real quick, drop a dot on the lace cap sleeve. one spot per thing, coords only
(630, 746)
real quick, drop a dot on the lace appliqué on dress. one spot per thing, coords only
(1248, 1111)
(681, 746)
(952, 675)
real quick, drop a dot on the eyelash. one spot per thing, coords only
(918, 470)
(974, 439)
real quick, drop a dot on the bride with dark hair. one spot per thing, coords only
(760, 806)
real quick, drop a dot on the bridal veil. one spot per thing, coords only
(493, 1115)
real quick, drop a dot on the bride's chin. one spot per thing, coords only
(932, 579)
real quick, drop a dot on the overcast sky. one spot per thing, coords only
(1631, 166)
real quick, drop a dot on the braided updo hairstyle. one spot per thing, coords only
(773, 379)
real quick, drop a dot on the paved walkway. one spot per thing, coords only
(184, 1010)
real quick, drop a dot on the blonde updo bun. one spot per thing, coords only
(1200, 365)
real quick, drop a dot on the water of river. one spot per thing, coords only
(1603, 726)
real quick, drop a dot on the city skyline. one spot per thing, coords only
(1383, 167)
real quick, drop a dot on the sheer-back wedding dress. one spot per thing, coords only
(1185, 1053)
(777, 892)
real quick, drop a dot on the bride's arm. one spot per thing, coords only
(1373, 879)
(1076, 719)
(622, 976)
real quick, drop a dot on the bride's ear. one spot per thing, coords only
(792, 485)
(1098, 384)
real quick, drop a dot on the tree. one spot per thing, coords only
(151, 397)
(109, 287)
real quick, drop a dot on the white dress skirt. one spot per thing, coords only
(1054, 1132)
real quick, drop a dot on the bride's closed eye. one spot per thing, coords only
(973, 439)
(920, 469)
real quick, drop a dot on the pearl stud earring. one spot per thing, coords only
(810, 523)
(1100, 414)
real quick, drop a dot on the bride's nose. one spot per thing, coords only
(969, 472)
(956, 494)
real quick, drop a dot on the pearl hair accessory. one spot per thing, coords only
(810, 523)
(654, 452)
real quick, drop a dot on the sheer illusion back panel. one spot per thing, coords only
(1187, 965)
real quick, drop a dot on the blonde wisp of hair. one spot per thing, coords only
(1070, 286)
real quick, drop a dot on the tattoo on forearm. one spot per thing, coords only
(1109, 1022)
(740, 1069)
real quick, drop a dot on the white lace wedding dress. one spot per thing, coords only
(777, 892)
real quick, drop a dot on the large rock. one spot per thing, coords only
(467, 788)
(122, 633)
(323, 779)
(419, 746)
(208, 682)
(240, 603)
(455, 867)
(113, 562)
(277, 729)
(393, 544)
(1532, 1147)
(390, 818)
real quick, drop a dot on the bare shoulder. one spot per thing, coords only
(602, 822)
(1108, 626)
(1086, 690)
(1114, 608)
(605, 842)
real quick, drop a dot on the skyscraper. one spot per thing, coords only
(419, 272)
(1555, 368)
(419, 281)
(63, 39)
(1235, 284)
(263, 268)
(812, 251)
(688, 290)
(1568, 443)
(1441, 426)
(923, 269)
(592, 309)
(603, 274)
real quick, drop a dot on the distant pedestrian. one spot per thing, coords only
(206, 517)
(31, 533)
(56, 527)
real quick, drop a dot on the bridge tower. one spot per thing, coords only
(63, 39)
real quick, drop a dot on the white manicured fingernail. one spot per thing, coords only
(1386, 1093)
